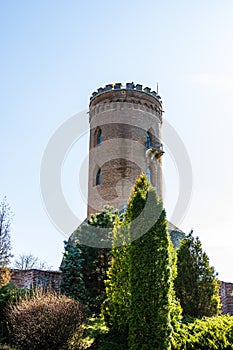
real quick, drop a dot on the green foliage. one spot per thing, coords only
(141, 301)
(72, 283)
(137, 199)
(9, 294)
(44, 321)
(116, 308)
(175, 307)
(196, 284)
(105, 219)
(150, 273)
(96, 335)
(87, 264)
(96, 264)
(113, 341)
(111, 345)
(93, 331)
(215, 333)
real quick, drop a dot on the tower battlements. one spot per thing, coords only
(128, 86)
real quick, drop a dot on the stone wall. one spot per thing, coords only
(227, 300)
(36, 278)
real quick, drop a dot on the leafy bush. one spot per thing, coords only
(9, 294)
(212, 333)
(96, 335)
(93, 330)
(44, 321)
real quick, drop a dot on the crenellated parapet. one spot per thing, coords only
(128, 86)
(131, 96)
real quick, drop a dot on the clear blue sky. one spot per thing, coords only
(55, 53)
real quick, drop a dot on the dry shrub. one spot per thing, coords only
(44, 321)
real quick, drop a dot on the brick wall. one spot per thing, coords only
(34, 277)
(124, 118)
(227, 300)
(52, 279)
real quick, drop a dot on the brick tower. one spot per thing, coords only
(125, 140)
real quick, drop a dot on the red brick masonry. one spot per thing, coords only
(52, 279)
(226, 291)
(34, 277)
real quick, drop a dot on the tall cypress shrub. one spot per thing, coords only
(150, 271)
(141, 299)
(116, 308)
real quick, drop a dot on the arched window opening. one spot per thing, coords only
(148, 174)
(148, 140)
(99, 137)
(98, 177)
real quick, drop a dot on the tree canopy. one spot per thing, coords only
(141, 298)
(88, 265)
(196, 283)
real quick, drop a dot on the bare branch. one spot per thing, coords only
(5, 222)
(29, 261)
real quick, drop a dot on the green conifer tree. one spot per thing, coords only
(196, 284)
(88, 264)
(116, 308)
(150, 272)
(141, 298)
(72, 283)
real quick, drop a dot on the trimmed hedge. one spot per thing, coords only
(208, 333)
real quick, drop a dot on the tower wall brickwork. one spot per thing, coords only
(120, 119)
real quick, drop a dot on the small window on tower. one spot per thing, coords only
(98, 177)
(99, 137)
(148, 140)
(148, 174)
